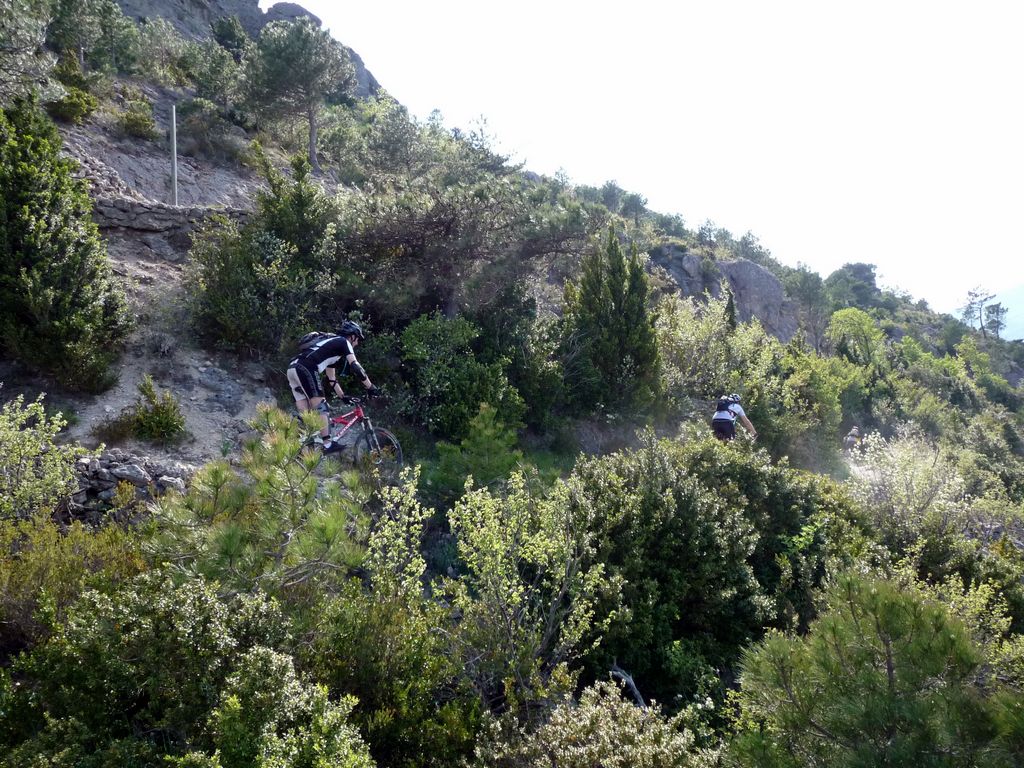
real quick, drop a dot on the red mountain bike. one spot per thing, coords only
(376, 448)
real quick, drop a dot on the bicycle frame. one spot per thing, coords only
(348, 420)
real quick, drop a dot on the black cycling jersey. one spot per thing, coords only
(326, 354)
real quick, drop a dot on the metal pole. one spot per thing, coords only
(174, 154)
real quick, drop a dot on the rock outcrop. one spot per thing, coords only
(756, 291)
(193, 18)
(289, 12)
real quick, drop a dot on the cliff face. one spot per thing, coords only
(193, 18)
(757, 292)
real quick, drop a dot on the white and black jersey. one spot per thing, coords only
(326, 354)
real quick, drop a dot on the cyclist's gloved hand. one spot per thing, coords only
(375, 391)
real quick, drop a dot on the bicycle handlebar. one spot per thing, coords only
(355, 400)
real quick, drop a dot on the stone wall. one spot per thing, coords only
(99, 477)
(165, 229)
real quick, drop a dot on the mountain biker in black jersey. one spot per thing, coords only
(727, 410)
(325, 357)
(852, 440)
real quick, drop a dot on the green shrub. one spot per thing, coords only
(43, 569)
(297, 211)
(204, 131)
(448, 383)
(77, 103)
(602, 728)
(527, 598)
(694, 349)
(74, 107)
(713, 544)
(158, 418)
(910, 489)
(885, 677)
(273, 522)
(487, 454)
(159, 670)
(257, 287)
(136, 119)
(246, 291)
(155, 417)
(36, 472)
(60, 307)
(385, 640)
(511, 332)
(268, 716)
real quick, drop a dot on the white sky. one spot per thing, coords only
(886, 132)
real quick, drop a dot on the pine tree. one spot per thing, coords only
(75, 26)
(60, 309)
(607, 317)
(641, 344)
(488, 453)
(973, 310)
(293, 69)
(995, 318)
(884, 677)
(730, 309)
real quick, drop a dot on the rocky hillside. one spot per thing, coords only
(193, 18)
(148, 241)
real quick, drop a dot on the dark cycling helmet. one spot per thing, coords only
(735, 398)
(348, 328)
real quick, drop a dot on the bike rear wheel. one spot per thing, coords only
(381, 452)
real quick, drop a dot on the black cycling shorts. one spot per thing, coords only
(304, 383)
(724, 429)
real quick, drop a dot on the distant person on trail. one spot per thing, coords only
(727, 410)
(323, 354)
(852, 440)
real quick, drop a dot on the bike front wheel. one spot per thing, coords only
(379, 451)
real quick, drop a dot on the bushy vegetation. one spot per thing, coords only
(77, 103)
(714, 544)
(75, 106)
(447, 380)
(136, 119)
(602, 728)
(487, 454)
(60, 309)
(284, 611)
(36, 473)
(884, 676)
(155, 417)
(157, 670)
(44, 568)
